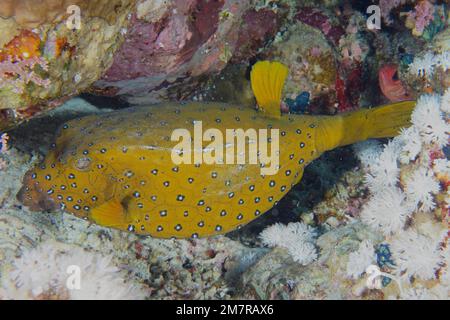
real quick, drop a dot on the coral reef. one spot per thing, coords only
(369, 221)
(409, 199)
(166, 44)
(278, 276)
(403, 254)
(325, 51)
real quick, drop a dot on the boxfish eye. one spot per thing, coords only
(83, 163)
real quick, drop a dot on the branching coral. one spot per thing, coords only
(297, 238)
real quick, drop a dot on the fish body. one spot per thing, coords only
(125, 157)
(118, 169)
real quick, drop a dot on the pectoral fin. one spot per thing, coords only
(110, 214)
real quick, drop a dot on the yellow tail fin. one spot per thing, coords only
(380, 122)
(267, 79)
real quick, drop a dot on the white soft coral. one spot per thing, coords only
(416, 254)
(359, 260)
(384, 172)
(47, 271)
(424, 66)
(428, 119)
(412, 144)
(445, 102)
(297, 238)
(442, 167)
(443, 60)
(420, 188)
(368, 152)
(386, 211)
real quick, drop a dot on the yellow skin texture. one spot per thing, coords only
(123, 160)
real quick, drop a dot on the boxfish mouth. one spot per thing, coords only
(33, 197)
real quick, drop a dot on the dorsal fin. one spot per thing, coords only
(267, 79)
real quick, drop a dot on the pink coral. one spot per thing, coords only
(421, 17)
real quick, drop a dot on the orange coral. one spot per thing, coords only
(61, 43)
(24, 46)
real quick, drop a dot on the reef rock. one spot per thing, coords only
(312, 60)
(278, 276)
(169, 43)
(46, 58)
(54, 50)
(325, 51)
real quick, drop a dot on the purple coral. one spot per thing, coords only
(317, 19)
(421, 16)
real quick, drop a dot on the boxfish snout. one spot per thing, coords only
(33, 196)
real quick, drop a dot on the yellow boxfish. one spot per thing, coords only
(118, 170)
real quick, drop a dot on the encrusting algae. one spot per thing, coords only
(117, 169)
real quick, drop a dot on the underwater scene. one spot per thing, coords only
(224, 150)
